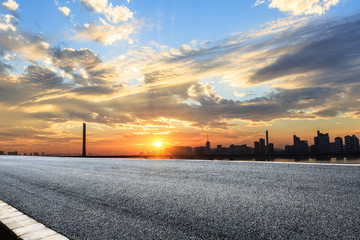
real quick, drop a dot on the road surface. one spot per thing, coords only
(182, 199)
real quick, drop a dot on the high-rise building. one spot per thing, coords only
(351, 144)
(270, 149)
(267, 141)
(262, 146)
(208, 148)
(339, 147)
(200, 150)
(256, 148)
(239, 149)
(300, 146)
(181, 150)
(322, 143)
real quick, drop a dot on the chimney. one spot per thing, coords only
(84, 141)
(267, 138)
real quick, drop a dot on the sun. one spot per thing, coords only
(157, 144)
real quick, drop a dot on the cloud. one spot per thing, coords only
(9, 57)
(308, 70)
(106, 34)
(11, 5)
(95, 5)
(240, 94)
(32, 47)
(309, 67)
(84, 67)
(94, 90)
(118, 27)
(302, 7)
(65, 11)
(258, 2)
(4, 67)
(115, 14)
(11, 92)
(7, 22)
(327, 53)
(42, 77)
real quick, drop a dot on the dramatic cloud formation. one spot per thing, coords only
(328, 53)
(293, 68)
(310, 61)
(301, 7)
(171, 84)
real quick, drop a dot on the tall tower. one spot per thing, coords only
(208, 148)
(267, 142)
(84, 141)
(267, 138)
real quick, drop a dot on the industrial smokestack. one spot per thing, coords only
(267, 138)
(84, 141)
(267, 141)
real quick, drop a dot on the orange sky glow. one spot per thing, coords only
(139, 79)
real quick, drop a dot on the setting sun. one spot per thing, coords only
(157, 144)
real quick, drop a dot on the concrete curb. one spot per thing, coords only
(25, 227)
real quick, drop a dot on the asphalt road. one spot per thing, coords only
(182, 199)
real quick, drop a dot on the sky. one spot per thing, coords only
(140, 72)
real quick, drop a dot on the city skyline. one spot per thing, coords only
(322, 145)
(147, 75)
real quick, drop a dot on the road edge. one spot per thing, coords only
(20, 226)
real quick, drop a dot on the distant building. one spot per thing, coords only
(256, 148)
(180, 150)
(322, 143)
(351, 144)
(208, 148)
(339, 147)
(200, 150)
(2, 153)
(300, 146)
(36, 154)
(262, 146)
(13, 153)
(220, 150)
(270, 149)
(239, 150)
(289, 149)
(332, 148)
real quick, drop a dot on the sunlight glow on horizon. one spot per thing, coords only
(158, 144)
(145, 82)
